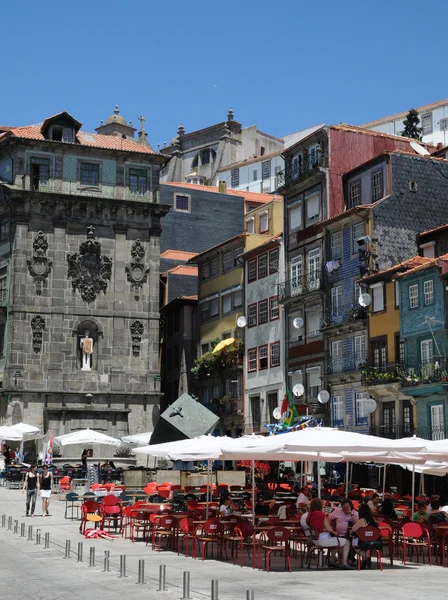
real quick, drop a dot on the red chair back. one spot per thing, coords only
(244, 529)
(111, 510)
(368, 534)
(166, 522)
(110, 500)
(273, 521)
(165, 484)
(212, 527)
(89, 506)
(186, 525)
(413, 530)
(95, 486)
(164, 493)
(278, 535)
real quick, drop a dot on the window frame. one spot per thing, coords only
(263, 347)
(261, 257)
(377, 188)
(299, 207)
(430, 128)
(224, 261)
(251, 221)
(260, 304)
(381, 286)
(214, 261)
(414, 301)
(314, 218)
(316, 332)
(250, 307)
(426, 295)
(277, 317)
(341, 409)
(235, 177)
(352, 184)
(205, 271)
(264, 214)
(340, 245)
(250, 278)
(355, 248)
(274, 269)
(273, 346)
(138, 173)
(90, 165)
(182, 210)
(250, 360)
(360, 420)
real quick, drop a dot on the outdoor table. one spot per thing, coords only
(102, 493)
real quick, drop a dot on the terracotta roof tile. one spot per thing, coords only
(347, 213)
(439, 228)
(406, 265)
(249, 196)
(403, 114)
(429, 262)
(178, 255)
(184, 270)
(109, 142)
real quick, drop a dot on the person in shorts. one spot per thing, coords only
(46, 485)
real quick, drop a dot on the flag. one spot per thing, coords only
(289, 411)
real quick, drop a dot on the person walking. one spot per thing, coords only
(31, 485)
(46, 486)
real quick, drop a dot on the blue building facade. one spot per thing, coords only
(423, 329)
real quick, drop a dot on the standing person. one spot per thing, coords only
(46, 485)
(84, 456)
(31, 484)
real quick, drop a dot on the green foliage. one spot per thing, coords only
(411, 125)
(217, 364)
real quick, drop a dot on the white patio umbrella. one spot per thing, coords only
(27, 429)
(203, 447)
(138, 438)
(10, 434)
(86, 436)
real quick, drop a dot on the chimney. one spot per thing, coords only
(222, 186)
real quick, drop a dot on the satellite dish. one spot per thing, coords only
(298, 390)
(241, 322)
(298, 323)
(323, 396)
(277, 413)
(364, 300)
(419, 149)
(370, 405)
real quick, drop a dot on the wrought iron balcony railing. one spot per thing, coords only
(296, 286)
(399, 431)
(343, 364)
(75, 187)
(371, 375)
(435, 371)
(343, 314)
(299, 169)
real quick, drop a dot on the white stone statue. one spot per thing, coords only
(86, 345)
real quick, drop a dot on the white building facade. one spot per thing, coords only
(264, 364)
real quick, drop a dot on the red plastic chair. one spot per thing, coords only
(164, 493)
(370, 534)
(277, 542)
(113, 514)
(90, 507)
(64, 484)
(140, 522)
(414, 535)
(387, 535)
(186, 533)
(241, 538)
(210, 533)
(111, 500)
(163, 528)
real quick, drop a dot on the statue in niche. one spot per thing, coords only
(86, 347)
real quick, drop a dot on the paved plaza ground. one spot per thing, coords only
(28, 571)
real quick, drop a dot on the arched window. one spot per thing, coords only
(87, 345)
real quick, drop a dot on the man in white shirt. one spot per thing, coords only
(303, 498)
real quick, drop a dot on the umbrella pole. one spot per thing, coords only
(252, 470)
(384, 480)
(319, 491)
(207, 495)
(413, 488)
(347, 469)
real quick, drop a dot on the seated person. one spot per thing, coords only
(436, 516)
(387, 509)
(443, 501)
(343, 517)
(264, 501)
(225, 507)
(366, 519)
(421, 513)
(303, 498)
(317, 520)
(374, 503)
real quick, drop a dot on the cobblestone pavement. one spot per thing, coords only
(28, 571)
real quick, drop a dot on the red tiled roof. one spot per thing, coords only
(347, 213)
(184, 270)
(188, 297)
(406, 265)
(403, 114)
(249, 196)
(178, 255)
(5, 127)
(109, 142)
(249, 161)
(365, 131)
(439, 228)
(429, 262)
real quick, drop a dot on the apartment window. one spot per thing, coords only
(262, 312)
(237, 298)
(296, 274)
(357, 291)
(428, 289)
(413, 295)
(338, 411)
(255, 175)
(275, 354)
(443, 124)
(272, 404)
(4, 230)
(138, 181)
(336, 245)
(235, 177)
(428, 250)
(209, 309)
(399, 350)
(214, 267)
(295, 335)
(266, 169)
(312, 206)
(427, 123)
(227, 261)
(252, 270)
(255, 407)
(273, 261)
(252, 313)
(226, 300)
(3, 285)
(250, 225)
(408, 420)
(252, 359)
(273, 308)
(377, 290)
(314, 382)
(378, 352)
(358, 231)
(377, 185)
(361, 408)
(360, 349)
(313, 268)
(295, 217)
(426, 351)
(336, 356)
(263, 357)
(396, 284)
(89, 174)
(262, 266)
(237, 253)
(355, 194)
(205, 348)
(336, 300)
(205, 271)
(313, 324)
(182, 203)
(264, 221)
(39, 172)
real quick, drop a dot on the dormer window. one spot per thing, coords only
(62, 134)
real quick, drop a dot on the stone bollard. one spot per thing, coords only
(162, 578)
(214, 586)
(67, 549)
(80, 548)
(30, 533)
(37, 537)
(106, 561)
(47, 541)
(22, 529)
(92, 557)
(123, 565)
(249, 594)
(141, 572)
(186, 586)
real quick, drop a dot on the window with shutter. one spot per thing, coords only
(338, 411)
(295, 217)
(312, 206)
(314, 381)
(361, 408)
(360, 350)
(252, 313)
(313, 324)
(336, 245)
(226, 303)
(336, 356)
(413, 296)
(377, 297)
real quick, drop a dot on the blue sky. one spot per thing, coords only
(281, 65)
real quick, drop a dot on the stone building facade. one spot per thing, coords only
(79, 258)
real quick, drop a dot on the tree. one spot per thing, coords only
(411, 125)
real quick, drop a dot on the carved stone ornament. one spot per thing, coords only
(37, 327)
(39, 267)
(137, 329)
(88, 269)
(136, 270)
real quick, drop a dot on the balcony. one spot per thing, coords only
(407, 376)
(297, 286)
(343, 364)
(395, 432)
(74, 187)
(371, 375)
(346, 313)
(299, 170)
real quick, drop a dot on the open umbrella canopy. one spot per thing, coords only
(11, 434)
(222, 344)
(430, 467)
(25, 428)
(86, 436)
(203, 447)
(138, 438)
